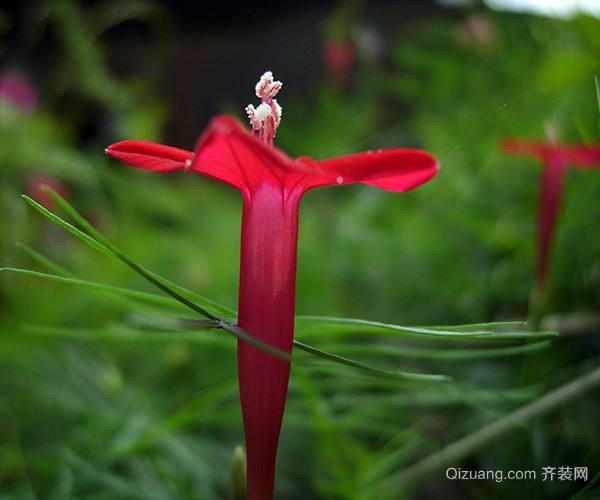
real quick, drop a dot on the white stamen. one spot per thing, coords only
(267, 88)
(277, 112)
(265, 118)
(187, 164)
(339, 180)
(251, 112)
(262, 112)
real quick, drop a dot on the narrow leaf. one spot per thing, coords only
(69, 227)
(43, 260)
(420, 377)
(313, 324)
(85, 224)
(146, 297)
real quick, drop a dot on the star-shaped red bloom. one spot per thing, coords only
(228, 153)
(272, 185)
(555, 159)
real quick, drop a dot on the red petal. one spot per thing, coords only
(229, 153)
(578, 156)
(583, 156)
(149, 156)
(526, 148)
(390, 170)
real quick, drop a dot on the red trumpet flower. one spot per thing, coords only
(272, 185)
(555, 158)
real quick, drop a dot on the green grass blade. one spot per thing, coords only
(87, 239)
(418, 377)
(326, 324)
(43, 260)
(128, 334)
(146, 273)
(388, 350)
(126, 292)
(479, 326)
(307, 326)
(520, 335)
(204, 403)
(124, 334)
(109, 249)
(126, 302)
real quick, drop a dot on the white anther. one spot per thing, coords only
(339, 180)
(267, 88)
(262, 112)
(255, 120)
(277, 110)
(265, 118)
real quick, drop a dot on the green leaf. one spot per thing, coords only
(307, 325)
(316, 325)
(109, 249)
(390, 350)
(135, 294)
(43, 260)
(479, 326)
(124, 334)
(147, 274)
(418, 377)
(88, 240)
(128, 334)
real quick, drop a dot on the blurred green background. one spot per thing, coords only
(93, 406)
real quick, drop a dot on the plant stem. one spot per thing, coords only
(457, 451)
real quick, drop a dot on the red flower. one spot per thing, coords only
(17, 90)
(272, 185)
(36, 185)
(339, 56)
(555, 158)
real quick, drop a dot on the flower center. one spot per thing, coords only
(265, 118)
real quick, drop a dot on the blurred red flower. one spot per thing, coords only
(555, 158)
(339, 56)
(18, 90)
(35, 185)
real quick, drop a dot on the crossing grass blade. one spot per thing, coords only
(306, 325)
(126, 334)
(43, 260)
(134, 294)
(389, 350)
(108, 249)
(415, 377)
(103, 246)
(91, 230)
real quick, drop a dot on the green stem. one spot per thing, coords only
(457, 451)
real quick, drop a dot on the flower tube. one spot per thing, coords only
(272, 185)
(555, 159)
